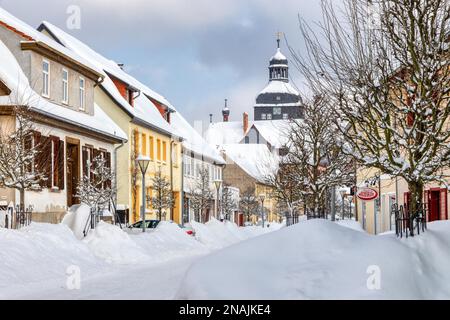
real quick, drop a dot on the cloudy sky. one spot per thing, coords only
(194, 52)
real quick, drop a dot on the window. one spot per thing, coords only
(46, 78)
(247, 139)
(152, 153)
(285, 116)
(148, 196)
(269, 116)
(144, 144)
(263, 116)
(175, 154)
(158, 149)
(82, 94)
(278, 98)
(164, 151)
(65, 86)
(276, 111)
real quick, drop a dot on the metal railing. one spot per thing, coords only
(17, 217)
(292, 219)
(406, 223)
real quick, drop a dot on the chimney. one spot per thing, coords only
(225, 111)
(245, 122)
(121, 65)
(210, 117)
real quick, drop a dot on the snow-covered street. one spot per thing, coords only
(44, 261)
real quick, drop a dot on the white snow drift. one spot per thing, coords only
(319, 259)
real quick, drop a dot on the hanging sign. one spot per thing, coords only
(367, 194)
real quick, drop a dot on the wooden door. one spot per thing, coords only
(73, 173)
(434, 205)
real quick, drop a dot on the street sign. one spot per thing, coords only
(367, 194)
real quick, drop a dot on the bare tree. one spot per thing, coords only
(163, 197)
(287, 187)
(228, 203)
(314, 162)
(201, 195)
(389, 83)
(248, 203)
(19, 153)
(97, 188)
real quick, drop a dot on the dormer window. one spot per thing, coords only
(65, 86)
(82, 94)
(46, 78)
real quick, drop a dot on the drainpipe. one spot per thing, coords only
(171, 176)
(115, 166)
(182, 186)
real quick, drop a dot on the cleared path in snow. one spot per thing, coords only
(131, 282)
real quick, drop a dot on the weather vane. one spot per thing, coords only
(279, 35)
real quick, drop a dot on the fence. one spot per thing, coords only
(15, 217)
(406, 223)
(291, 219)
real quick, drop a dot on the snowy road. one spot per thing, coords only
(129, 282)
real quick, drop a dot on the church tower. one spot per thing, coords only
(226, 111)
(278, 100)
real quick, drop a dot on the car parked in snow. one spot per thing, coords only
(150, 225)
(188, 228)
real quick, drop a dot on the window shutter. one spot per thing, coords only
(84, 160)
(55, 161)
(60, 165)
(443, 204)
(108, 165)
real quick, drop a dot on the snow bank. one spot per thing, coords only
(110, 243)
(168, 241)
(216, 235)
(352, 224)
(319, 259)
(76, 219)
(40, 254)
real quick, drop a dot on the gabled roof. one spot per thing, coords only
(194, 142)
(220, 133)
(144, 111)
(23, 94)
(255, 159)
(273, 131)
(33, 38)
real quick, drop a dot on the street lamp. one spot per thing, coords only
(262, 197)
(350, 200)
(342, 192)
(143, 162)
(217, 183)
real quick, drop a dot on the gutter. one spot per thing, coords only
(115, 166)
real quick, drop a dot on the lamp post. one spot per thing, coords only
(342, 192)
(217, 183)
(142, 162)
(262, 197)
(350, 200)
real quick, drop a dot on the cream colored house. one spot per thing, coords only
(146, 118)
(59, 87)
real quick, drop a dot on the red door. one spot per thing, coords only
(434, 205)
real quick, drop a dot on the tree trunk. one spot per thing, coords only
(22, 199)
(416, 196)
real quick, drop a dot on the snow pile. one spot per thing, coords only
(216, 235)
(76, 219)
(352, 224)
(110, 243)
(168, 241)
(40, 255)
(319, 259)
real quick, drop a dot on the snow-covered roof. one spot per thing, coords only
(31, 34)
(143, 109)
(278, 56)
(276, 86)
(224, 133)
(255, 159)
(193, 141)
(22, 93)
(274, 131)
